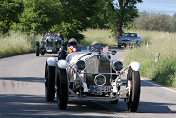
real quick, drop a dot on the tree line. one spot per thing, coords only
(67, 16)
(156, 21)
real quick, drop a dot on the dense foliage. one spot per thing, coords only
(121, 14)
(156, 22)
(67, 16)
(9, 11)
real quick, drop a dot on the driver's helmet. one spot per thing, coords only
(95, 46)
(72, 41)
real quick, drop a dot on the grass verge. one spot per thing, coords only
(17, 43)
(103, 36)
(163, 71)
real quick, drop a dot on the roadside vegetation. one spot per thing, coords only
(103, 36)
(17, 43)
(163, 71)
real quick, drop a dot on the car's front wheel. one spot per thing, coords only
(133, 78)
(37, 50)
(42, 53)
(49, 83)
(62, 89)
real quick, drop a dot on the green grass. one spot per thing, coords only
(103, 36)
(163, 71)
(17, 43)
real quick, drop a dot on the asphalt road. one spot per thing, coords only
(22, 95)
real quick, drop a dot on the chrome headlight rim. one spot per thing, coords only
(78, 67)
(113, 66)
(96, 78)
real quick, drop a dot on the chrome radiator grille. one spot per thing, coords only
(99, 64)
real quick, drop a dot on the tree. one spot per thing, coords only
(155, 21)
(123, 12)
(39, 16)
(9, 11)
(76, 15)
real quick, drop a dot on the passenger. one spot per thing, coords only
(59, 34)
(49, 33)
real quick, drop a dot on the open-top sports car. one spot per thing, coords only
(49, 44)
(130, 39)
(88, 72)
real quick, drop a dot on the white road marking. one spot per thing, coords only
(159, 86)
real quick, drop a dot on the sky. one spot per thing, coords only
(158, 6)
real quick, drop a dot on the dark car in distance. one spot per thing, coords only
(130, 39)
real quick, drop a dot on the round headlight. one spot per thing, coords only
(117, 65)
(100, 80)
(81, 65)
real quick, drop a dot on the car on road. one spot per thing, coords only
(130, 39)
(89, 73)
(49, 44)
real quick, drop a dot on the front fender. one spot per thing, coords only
(51, 61)
(136, 66)
(63, 64)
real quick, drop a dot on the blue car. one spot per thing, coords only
(130, 39)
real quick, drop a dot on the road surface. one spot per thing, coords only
(22, 95)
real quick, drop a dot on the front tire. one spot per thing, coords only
(37, 50)
(42, 53)
(50, 83)
(134, 79)
(62, 89)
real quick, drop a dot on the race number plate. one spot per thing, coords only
(100, 88)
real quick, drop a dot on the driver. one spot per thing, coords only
(63, 53)
(95, 46)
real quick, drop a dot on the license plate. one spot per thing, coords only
(49, 50)
(100, 88)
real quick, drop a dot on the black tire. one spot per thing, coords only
(42, 53)
(62, 89)
(134, 97)
(37, 50)
(50, 83)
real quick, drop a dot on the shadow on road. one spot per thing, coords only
(24, 79)
(151, 107)
(35, 106)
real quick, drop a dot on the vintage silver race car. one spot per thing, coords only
(49, 44)
(90, 73)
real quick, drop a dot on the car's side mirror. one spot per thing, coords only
(113, 52)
